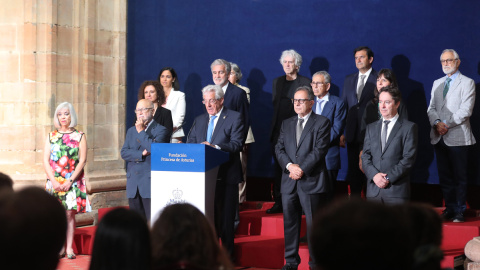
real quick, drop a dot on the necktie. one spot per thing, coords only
(210, 128)
(318, 109)
(361, 84)
(299, 129)
(447, 86)
(384, 134)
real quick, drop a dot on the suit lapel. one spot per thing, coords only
(327, 108)
(202, 127)
(308, 126)
(218, 126)
(393, 133)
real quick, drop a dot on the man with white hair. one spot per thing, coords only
(283, 90)
(451, 105)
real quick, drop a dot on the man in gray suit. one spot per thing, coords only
(301, 149)
(136, 152)
(451, 106)
(389, 151)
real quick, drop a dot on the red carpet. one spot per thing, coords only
(259, 241)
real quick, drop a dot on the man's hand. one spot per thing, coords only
(380, 180)
(140, 125)
(295, 171)
(360, 161)
(441, 128)
(145, 153)
(209, 144)
(342, 141)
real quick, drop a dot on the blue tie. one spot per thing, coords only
(447, 87)
(318, 109)
(210, 128)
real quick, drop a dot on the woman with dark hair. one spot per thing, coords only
(174, 101)
(371, 114)
(122, 241)
(153, 91)
(182, 238)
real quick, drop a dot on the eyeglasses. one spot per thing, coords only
(211, 101)
(386, 102)
(318, 83)
(142, 110)
(448, 61)
(300, 101)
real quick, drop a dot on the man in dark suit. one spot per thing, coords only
(357, 92)
(283, 90)
(389, 151)
(451, 105)
(235, 98)
(136, 152)
(301, 149)
(222, 128)
(335, 110)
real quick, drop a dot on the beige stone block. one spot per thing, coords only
(46, 67)
(29, 13)
(104, 42)
(64, 92)
(29, 31)
(110, 70)
(90, 14)
(122, 16)
(29, 71)
(8, 37)
(65, 36)
(47, 11)
(15, 92)
(64, 68)
(16, 138)
(88, 69)
(103, 138)
(45, 92)
(46, 38)
(98, 69)
(12, 162)
(88, 92)
(100, 114)
(45, 112)
(88, 40)
(9, 71)
(11, 12)
(105, 154)
(122, 68)
(23, 113)
(6, 111)
(66, 12)
(41, 135)
(106, 14)
(104, 93)
(122, 45)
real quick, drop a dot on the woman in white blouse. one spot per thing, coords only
(174, 101)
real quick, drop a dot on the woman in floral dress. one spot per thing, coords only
(65, 156)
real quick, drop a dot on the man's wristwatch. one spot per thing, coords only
(436, 122)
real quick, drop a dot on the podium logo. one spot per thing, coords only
(177, 197)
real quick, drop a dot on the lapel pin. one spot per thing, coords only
(224, 117)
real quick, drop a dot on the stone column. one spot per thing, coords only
(57, 51)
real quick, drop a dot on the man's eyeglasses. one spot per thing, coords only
(301, 101)
(448, 61)
(211, 101)
(318, 83)
(142, 110)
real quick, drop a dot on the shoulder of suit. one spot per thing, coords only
(177, 93)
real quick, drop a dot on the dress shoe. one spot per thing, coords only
(458, 217)
(276, 208)
(289, 267)
(447, 214)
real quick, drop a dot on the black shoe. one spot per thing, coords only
(276, 208)
(458, 217)
(289, 267)
(447, 214)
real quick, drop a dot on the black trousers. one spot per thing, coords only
(355, 176)
(226, 202)
(140, 205)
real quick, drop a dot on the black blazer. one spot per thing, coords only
(236, 99)
(277, 88)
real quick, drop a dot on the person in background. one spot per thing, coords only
(153, 91)
(174, 101)
(65, 156)
(122, 242)
(182, 238)
(6, 183)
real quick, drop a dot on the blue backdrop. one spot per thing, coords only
(407, 36)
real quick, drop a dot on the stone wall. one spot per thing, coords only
(56, 51)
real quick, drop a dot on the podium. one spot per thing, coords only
(184, 173)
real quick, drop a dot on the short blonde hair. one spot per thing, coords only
(73, 114)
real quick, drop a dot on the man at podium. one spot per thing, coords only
(223, 129)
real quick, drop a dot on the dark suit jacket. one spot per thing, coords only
(396, 160)
(355, 106)
(336, 111)
(309, 155)
(277, 88)
(138, 166)
(163, 117)
(236, 99)
(228, 135)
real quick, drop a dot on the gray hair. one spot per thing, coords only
(455, 54)
(237, 71)
(307, 89)
(294, 54)
(222, 62)
(213, 88)
(325, 75)
(73, 114)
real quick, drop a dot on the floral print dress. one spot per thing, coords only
(64, 148)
